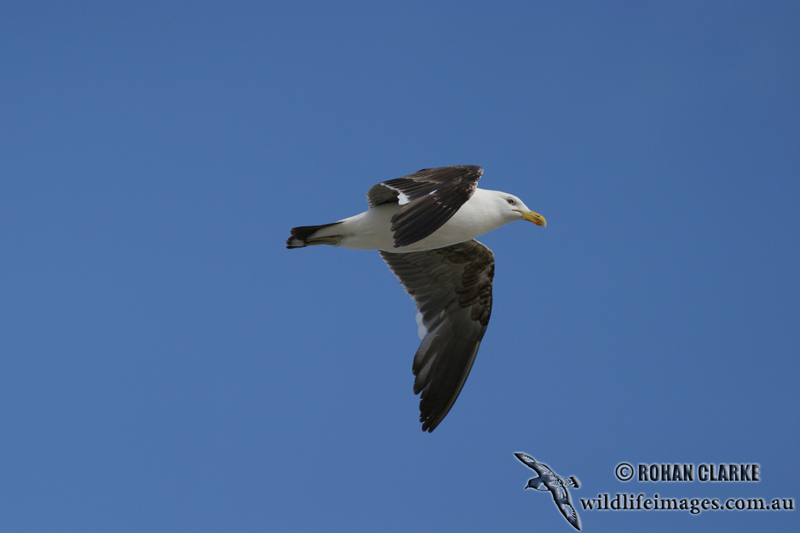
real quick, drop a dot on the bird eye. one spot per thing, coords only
(511, 201)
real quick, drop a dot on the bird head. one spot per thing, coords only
(518, 206)
(534, 483)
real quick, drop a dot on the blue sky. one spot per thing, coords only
(169, 366)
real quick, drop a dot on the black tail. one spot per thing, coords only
(302, 236)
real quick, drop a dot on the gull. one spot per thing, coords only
(424, 225)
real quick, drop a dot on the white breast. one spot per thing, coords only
(371, 230)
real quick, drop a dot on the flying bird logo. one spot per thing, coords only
(557, 485)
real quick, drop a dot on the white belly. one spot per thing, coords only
(371, 230)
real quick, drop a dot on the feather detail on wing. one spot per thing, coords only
(452, 290)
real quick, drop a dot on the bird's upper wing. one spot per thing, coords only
(429, 198)
(546, 470)
(452, 289)
(528, 461)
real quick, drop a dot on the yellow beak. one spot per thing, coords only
(530, 216)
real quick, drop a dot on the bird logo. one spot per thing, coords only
(546, 479)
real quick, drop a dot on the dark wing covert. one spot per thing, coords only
(429, 198)
(452, 290)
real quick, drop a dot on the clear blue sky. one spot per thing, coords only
(167, 365)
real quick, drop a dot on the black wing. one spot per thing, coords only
(429, 198)
(452, 289)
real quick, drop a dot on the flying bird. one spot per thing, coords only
(424, 226)
(556, 484)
